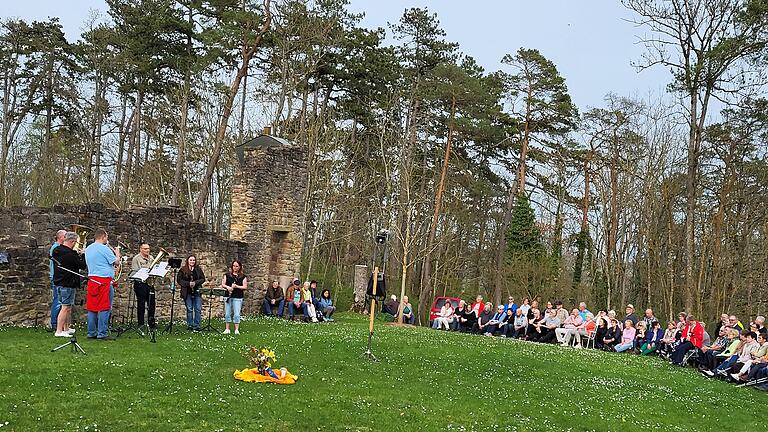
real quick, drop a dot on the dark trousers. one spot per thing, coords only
(547, 336)
(145, 299)
(708, 360)
(679, 353)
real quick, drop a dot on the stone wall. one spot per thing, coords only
(26, 234)
(268, 209)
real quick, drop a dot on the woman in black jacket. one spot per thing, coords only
(191, 279)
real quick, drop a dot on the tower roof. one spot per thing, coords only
(263, 141)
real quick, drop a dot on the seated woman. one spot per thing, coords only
(653, 338)
(640, 332)
(533, 309)
(326, 305)
(534, 326)
(446, 317)
(308, 308)
(495, 322)
(408, 316)
(506, 325)
(667, 344)
(613, 334)
(627, 337)
(467, 319)
(602, 329)
(756, 358)
(711, 358)
(456, 323)
(587, 328)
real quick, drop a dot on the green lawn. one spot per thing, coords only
(426, 380)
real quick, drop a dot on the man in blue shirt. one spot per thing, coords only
(583, 311)
(510, 305)
(55, 304)
(101, 260)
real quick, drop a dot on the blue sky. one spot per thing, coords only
(591, 42)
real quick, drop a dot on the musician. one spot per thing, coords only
(101, 260)
(145, 293)
(234, 282)
(191, 279)
(55, 305)
(65, 282)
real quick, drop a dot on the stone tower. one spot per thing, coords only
(268, 210)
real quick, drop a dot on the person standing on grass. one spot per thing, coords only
(66, 281)
(326, 305)
(55, 304)
(235, 282)
(101, 260)
(191, 278)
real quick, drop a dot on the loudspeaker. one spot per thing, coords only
(381, 288)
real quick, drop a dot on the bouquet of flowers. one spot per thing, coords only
(260, 358)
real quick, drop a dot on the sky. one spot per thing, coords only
(592, 42)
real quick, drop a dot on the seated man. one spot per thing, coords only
(551, 322)
(274, 301)
(496, 320)
(391, 306)
(568, 330)
(519, 325)
(484, 318)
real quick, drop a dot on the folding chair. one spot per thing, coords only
(590, 339)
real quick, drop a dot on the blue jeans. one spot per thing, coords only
(624, 346)
(55, 307)
(266, 307)
(232, 310)
(98, 322)
(194, 306)
(292, 310)
(728, 363)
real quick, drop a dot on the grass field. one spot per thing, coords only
(426, 380)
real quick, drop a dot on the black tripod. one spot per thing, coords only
(76, 348)
(376, 291)
(169, 328)
(131, 324)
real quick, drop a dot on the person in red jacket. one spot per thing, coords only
(692, 337)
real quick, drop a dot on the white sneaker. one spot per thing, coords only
(63, 334)
(237, 331)
(226, 331)
(71, 331)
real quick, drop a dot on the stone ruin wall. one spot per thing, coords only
(266, 235)
(26, 234)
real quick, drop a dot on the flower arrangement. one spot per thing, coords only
(260, 358)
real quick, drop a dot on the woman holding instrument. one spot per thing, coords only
(234, 281)
(191, 279)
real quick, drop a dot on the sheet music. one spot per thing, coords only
(159, 270)
(141, 274)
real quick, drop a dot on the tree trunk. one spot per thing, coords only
(247, 54)
(426, 281)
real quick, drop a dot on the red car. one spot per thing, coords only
(438, 304)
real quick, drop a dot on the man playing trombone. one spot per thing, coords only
(101, 259)
(145, 293)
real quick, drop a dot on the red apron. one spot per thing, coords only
(97, 299)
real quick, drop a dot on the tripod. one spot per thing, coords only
(381, 242)
(131, 325)
(169, 328)
(76, 348)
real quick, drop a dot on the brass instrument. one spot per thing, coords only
(82, 232)
(160, 255)
(118, 263)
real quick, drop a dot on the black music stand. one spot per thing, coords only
(209, 326)
(132, 306)
(175, 265)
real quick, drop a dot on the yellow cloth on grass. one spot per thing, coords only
(253, 375)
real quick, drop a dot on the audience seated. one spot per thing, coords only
(653, 339)
(484, 318)
(520, 324)
(692, 338)
(568, 330)
(446, 317)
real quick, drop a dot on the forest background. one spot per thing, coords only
(491, 182)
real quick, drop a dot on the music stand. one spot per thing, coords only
(175, 265)
(211, 293)
(132, 306)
